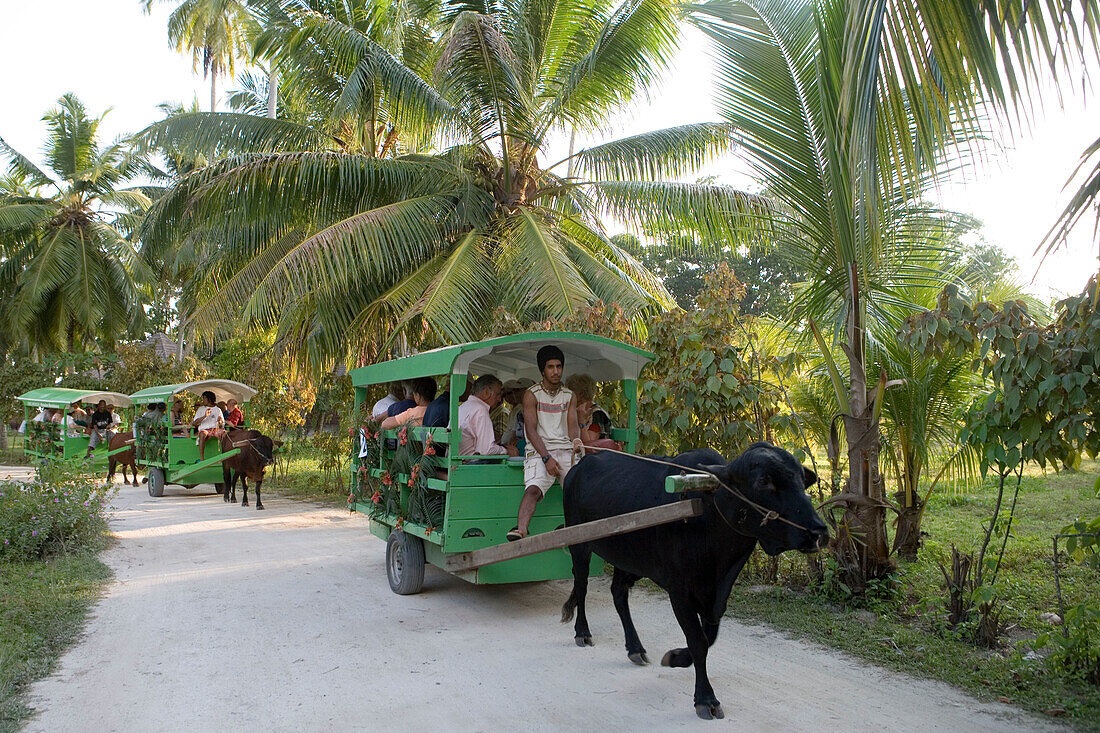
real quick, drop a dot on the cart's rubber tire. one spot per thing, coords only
(156, 481)
(405, 563)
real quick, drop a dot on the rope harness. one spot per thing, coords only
(766, 515)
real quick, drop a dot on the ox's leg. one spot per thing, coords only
(582, 556)
(706, 704)
(111, 471)
(226, 476)
(244, 489)
(259, 483)
(682, 657)
(621, 583)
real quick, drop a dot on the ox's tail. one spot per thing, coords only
(569, 607)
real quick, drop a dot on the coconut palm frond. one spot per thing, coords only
(717, 213)
(657, 155)
(220, 134)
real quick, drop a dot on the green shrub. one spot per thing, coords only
(1077, 650)
(63, 510)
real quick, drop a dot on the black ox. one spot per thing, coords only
(695, 560)
(257, 453)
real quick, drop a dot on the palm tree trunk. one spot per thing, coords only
(863, 550)
(272, 92)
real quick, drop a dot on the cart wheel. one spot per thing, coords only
(405, 563)
(156, 481)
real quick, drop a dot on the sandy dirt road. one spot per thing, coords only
(222, 618)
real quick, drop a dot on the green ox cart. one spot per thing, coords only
(457, 520)
(169, 454)
(48, 439)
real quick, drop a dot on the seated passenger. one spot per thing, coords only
(594, 422)
(404, 404)
(76, 422)
(513, 395)
(153, 415)
(396, 394)
(116, 419)
(209, 421)
(475, 423)
(100, 427)
(221, 405)
(235, 416)
(423, 394)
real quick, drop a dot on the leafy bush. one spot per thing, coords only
(1076, 648)
(63, 510)
(282, 399)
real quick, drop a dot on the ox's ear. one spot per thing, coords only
(808, 477)
(721, 470)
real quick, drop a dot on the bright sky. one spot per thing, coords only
(112, 55)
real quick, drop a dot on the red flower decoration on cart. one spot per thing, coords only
(404, 436)
(429, 449)
(376, 497)
(387, 480)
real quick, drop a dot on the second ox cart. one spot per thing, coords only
(167, 452)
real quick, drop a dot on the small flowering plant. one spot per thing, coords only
(63, 510)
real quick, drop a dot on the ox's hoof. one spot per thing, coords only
(709, 712)
(244, 503)
(584, 641)
(676, 658)
(639, 658)
(259, 506)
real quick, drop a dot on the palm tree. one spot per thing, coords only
(359, 235)
(215, 32)
(848, 110)
(66, 251)
(1087, 196)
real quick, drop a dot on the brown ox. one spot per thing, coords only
(123, 459)
(257, 453)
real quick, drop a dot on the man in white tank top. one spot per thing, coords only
(552, 433)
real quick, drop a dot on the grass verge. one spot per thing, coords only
(886, 640)
(43, 607)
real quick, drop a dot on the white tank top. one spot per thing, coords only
(552, 418)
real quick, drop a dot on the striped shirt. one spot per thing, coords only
(552, 418)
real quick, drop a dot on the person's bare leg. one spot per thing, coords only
(531, 497)
(202, 445)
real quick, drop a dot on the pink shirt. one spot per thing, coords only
(411, 417)
(477, 429)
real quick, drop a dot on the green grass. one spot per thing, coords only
(43, 607)
(906, 632)
(297, 475)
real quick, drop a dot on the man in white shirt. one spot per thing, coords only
(397, 393)
(209, 420)
(475, 423)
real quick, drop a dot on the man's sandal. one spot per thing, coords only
(514, 534)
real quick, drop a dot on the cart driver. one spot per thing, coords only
(552, 433)
(209, 421)
(101, 426)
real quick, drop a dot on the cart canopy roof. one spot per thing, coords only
(61, 397)
(223, 389)
(510, 357)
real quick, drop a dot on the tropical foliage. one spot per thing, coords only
(215, 33)
(848, 110)
(350, 232)
(67, 255)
